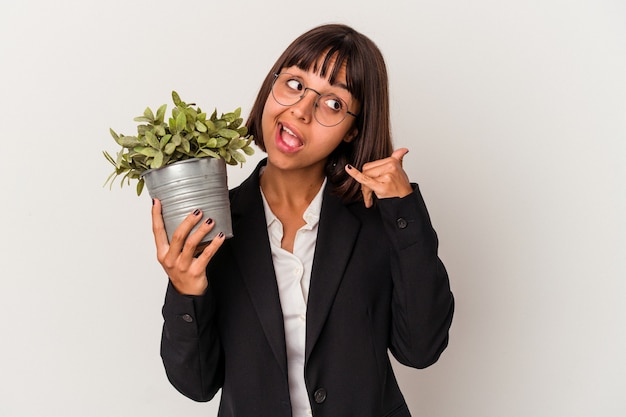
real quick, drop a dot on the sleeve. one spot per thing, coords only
(422, 303)
(190, 347)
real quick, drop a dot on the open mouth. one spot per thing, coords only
(287, 140)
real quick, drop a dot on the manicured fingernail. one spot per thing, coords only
(209, 221)
(196, 212)
(221, 235)
(153, 201)
(349, 166)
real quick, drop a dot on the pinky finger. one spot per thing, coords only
(364, 180)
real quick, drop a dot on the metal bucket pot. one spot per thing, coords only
(184, 186)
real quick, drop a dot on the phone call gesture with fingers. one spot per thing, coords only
(384, 177)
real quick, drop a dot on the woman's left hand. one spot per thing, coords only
(384, 177)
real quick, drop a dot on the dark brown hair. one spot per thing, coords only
(366, 77)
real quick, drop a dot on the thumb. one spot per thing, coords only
(399, 153)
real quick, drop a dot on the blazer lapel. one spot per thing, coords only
(337, 234)
(254, 259)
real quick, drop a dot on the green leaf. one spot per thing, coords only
(235, 124)
(200, 127)
(192, 114)
(237, 143)
(128, 141)
(143, 119)
(221, 142)
(152, 140)
(157, 162)
(238, 157)
(202, 139)
(210, 153)
(181, 122)
(110, 179)
(230, 117)
(159, 130)
(109, 157)
(115, 136)
(164, 141)
(176, 99)
(144, 150)
(186, 145)
(140, 185)
(148, 114)
(160, 115)
(119, 159)
(169, 148)
(228, 133)
(248, 150)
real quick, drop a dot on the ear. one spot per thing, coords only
(351, 135)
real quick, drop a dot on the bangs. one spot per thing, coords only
(326, 56)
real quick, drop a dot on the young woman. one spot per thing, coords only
(333, 260)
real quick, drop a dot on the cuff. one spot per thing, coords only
(405, 218)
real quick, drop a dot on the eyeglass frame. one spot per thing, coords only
(348, 112)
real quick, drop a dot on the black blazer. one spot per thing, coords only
(377, 284)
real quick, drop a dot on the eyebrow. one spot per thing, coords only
(341, 85)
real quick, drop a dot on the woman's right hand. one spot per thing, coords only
(186, 270)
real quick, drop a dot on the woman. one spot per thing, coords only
(333, 260)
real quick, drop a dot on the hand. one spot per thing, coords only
(384, 177)
(185, 268)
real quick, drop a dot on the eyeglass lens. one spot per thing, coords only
(328, 110)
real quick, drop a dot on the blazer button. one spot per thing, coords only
(402, 223)
(320, 395)
(187, 318)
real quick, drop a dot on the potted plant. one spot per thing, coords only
(182, 161)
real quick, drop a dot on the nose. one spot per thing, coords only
(304, 108)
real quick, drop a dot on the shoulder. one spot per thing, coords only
(249, 188)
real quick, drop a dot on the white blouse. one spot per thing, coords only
(293, 276)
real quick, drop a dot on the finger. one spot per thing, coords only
(211, 249)
(158, 228)
(365, 182)
(368, 196)
(182, 231)
(192, 245)
(399, 154)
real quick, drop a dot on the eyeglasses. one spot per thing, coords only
(329, 109)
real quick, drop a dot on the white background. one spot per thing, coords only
(514, 112)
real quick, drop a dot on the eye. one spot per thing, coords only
(332, 103)
(294, 84)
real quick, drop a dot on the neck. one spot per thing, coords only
(293, 186)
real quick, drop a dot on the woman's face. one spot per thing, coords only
(293, 137)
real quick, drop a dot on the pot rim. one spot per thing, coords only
(195, 159)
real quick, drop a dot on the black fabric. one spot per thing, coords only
(377, 285)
